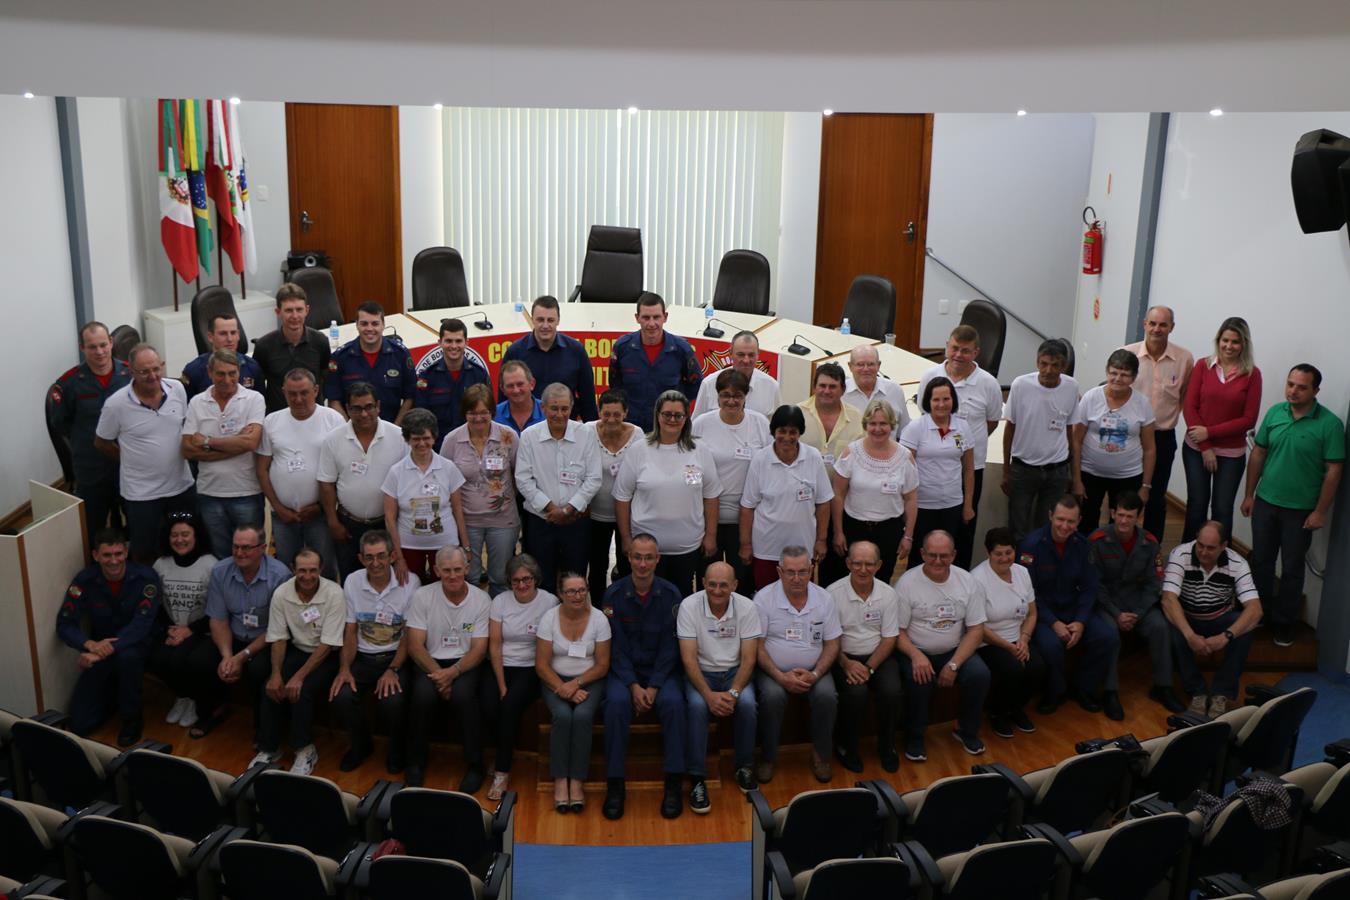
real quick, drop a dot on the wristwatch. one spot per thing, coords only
(735, 694)
(953, 666)
(871, 671)
(394, 669)
(1229, 634)
(206, 442)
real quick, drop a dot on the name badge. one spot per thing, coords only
(946, 611)
(693, 475)
(309, 615)
(359, 468)
(828, 458)
(568, 478)
(1021, 612)
(1057, 422)
(229, 426)
(817, 635)
(794, 632)
(576, 650)
(384, 617)
(890, 487)
(872, 615)
(531, 630)
(743, 453)
(806, 492)
(494, 463)
(249, 619)
(726, 629)
(614, 467)
(450, 642)
(295, 464)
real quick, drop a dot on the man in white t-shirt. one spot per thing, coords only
(941, 609)
(869, 616)
(288, 468)
(866, 383)
(223, 427)
(763, 396)
(719, 634)
(980, 403)
(1039, 411)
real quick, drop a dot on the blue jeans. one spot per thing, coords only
(1210, 495)
(314, 534)
(222, 515)
(972, 680)
(501, 546)
(744, 721)
(1234, 657)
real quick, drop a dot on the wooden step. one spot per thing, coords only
(644, 765)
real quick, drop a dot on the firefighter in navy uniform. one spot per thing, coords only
(74, 404)
(378, 360)
(108, 615)
(223, 334)
(651, 360)
(441, 387)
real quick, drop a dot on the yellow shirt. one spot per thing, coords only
(847, 429)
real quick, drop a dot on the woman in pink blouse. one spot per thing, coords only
(1222, 404)
(484, 451)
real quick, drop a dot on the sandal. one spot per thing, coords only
(208, 723)
(500, 782)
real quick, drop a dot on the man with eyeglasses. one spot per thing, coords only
(140, 427)
(650, 361)
(442, 381)
(644, 674)
(374, 655)
(554, 357)
(353, 462)
(763, 395)
(801, 642)
(866, 383)
(374, 358)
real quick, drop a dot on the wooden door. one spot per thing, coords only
(873, 185)
(344, 191)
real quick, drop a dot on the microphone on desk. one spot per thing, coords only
(484, 325)
(796, 347)
(712, 332)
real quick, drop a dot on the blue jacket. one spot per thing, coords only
(1066, 586)
(440, 392)
(196, 377)
(566, 362)
(75, 403)
(129, 617)
(676, 369)
(644, 649)
(393, 376)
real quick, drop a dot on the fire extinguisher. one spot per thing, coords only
(1092, 243)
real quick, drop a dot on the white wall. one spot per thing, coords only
(36, 300)
(794, 284)
(111, 204)
(421, 181)
(1004, 205)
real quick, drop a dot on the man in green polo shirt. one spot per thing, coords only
(1291, 481)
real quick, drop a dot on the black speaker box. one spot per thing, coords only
(1321, 180)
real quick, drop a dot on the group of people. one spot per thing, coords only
(421, 527)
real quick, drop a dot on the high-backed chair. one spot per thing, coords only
(1326, 810)
(950, 815)
(123, 338)
(451, 825)
(321, 292)
(1068, 354)
(130, 861)
(1182, 761)
(990, 321)
(1322, 886)
(28, 839)
(254, 870)
(1012, 870)
(742, 283)
(1234, 841)
(60, 441)
(1265, 731)
(880, 876)
(438, 279)
(71, 771)
(612, 271)
(870, 306)
(40, 888)
(312, 812)
(1130, 859)
(1078, 794)
(211, 301)
(815, 826)
(402, 877)
(179, 795)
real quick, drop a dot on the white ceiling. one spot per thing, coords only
(876, 55)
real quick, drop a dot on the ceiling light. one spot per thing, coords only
(632, 110)
(827, 112)
(28, 95)
(1021, 112)
(437, 106)
(234, 101)
(1216, 112)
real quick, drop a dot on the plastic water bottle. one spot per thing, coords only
(520, 306)
(845, 328)
(707, 315)
(332, 334)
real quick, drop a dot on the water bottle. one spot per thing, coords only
(520, 306)
(332, 334)
(707, 316)
(845, 328)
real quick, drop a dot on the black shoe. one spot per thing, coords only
(849, 759)
(972, 745)
(1111, 703)
(614, 796)
(1049, 704)
(1284, 635)
(393, 763)
(698, 798)
(672, 800)
(414, 776)
(1087, 703)
(1001, 726)
(890, 760)
(745, 779)
(472, 780)
(1022, 723)
(914, 750)
(130, 733)
(1165, 697)
(355, 755)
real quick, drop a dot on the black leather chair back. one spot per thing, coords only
(742, 283)
(438, 279)
(1270, 745)
(1137, 856)
(174, 793)
(124, 337)
(870, 306)
(1085, 788)
(959, 813)
(1016, 870)
(304, 811)
(125, 860)
(56, 761)
(324, 307)
(401, 877)
(612, 271)
(209, 302)
(828, 824)
(1068, 354)
(1190, 758)
(875, 877)
(988, 319)
(441, 825)
(270, 872)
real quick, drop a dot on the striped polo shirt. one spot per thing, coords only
(1208, 595)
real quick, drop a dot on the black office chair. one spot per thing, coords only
(989, 320)
(60, 441)
(209, 302)
(449, 825)
(313, 813)
(1326, 795)
(1012, 870)
(1265, 731)
(870, 306)
(28, 844)
(612, 270)
(261, 871)
(438, 279)
(742, 283)
(1078, 794)
(400, 877)
(124, 337)
(951, 815)
(130, 861)
(1068, 354)
(815, 826)
(321, 292)
(72, 771)
(178, 795)
(1182, 761)
(881, 876)
(1131, 859)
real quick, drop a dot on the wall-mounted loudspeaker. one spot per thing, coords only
(1320, 177)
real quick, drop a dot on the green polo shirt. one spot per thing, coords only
(1297, 451)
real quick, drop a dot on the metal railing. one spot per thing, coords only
(928, 251)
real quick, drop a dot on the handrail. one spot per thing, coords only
(928, 251)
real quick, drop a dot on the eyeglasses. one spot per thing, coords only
(181, 517)
(730, 395)
(244, 548)
(523, 579)
(673, 416)
(362, 408)
(645, 557)
(573, 592)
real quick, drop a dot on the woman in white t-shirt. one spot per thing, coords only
(422, 507)
(733, 436)
(944, 451)
(1111, 445)
(572, 660)
(513, 626)
(184, 655)
(668, 487)
(614, 435)
(1016, 669)
(876, 490)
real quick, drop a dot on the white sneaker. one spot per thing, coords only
(264, 758)
(305, 759)
(1199, 703)
(1218, 705)
(189, 716)
(175, 713)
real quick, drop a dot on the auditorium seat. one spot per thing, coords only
(1234, 841)
(742, 283)
(870, 307)
(405, 877)
(178, 795)
(815, 826)
(450, 825)
(71, 771)
(130, 861)
(254, 870)
(1265, 731)
(1318, 886)
(876, 877)
(28, 839)
(438, 279)
(1326, 801)
(41, 888)
(1013, 870)
(321, 293)
(950, 815)
(1129, 860)
(312, 812)
(1078, 794)
(211, 301)
(1183, 761)
(612, 271)
(11, 761)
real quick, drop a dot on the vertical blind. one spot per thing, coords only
(524, 186)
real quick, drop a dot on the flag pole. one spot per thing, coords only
(173, 276)
(243, 288)
(220, 253)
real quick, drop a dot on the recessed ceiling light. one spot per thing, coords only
(28, 95)
(1216, 112)
(632, 110)
(234, 101)
(1021, 112)
(437, 106)
(827, 112)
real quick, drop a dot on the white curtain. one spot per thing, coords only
(524, 186)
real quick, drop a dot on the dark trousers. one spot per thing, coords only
(833, 566)
(1234, 657)
(349, 550)
(965, 536)
(464, 701)
(1210, 495)
(557, 548)
(346, 706)
(886, 534)
(885, 684)
(272, 714)
(679, 569)
(102, 502)
(670, 711)
(972, 681)
(108, 682)
(189, 669)
(1011, 682)
(1032, 492)
(1155, 510)
(256, 670)
(1277, 531)
(145, 518)
(602, 537)
(1096, 489)
(505, 712)
(949, 520)
(1101, 648)
(729, 552)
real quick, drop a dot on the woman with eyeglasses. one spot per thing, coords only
(613, 435)
(423, 509)
(734, 435)
(876, 488)
(513, 629)
(1111, 448)
(668, 487)
(184, 656)
(484, 451)
(944, 452)
(572, 661)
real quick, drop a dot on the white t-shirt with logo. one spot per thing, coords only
(1006, 605)
(450, 627)
(185, 587)
(936, 616)
(667, 487)
(294, 445)
(732, 448)
(1111, 447)
(979, 400)
(426, 520)
(379, 616)
(876, 487)
(1042, 417)
(784, 499)
(520, 625)
(938, 457)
